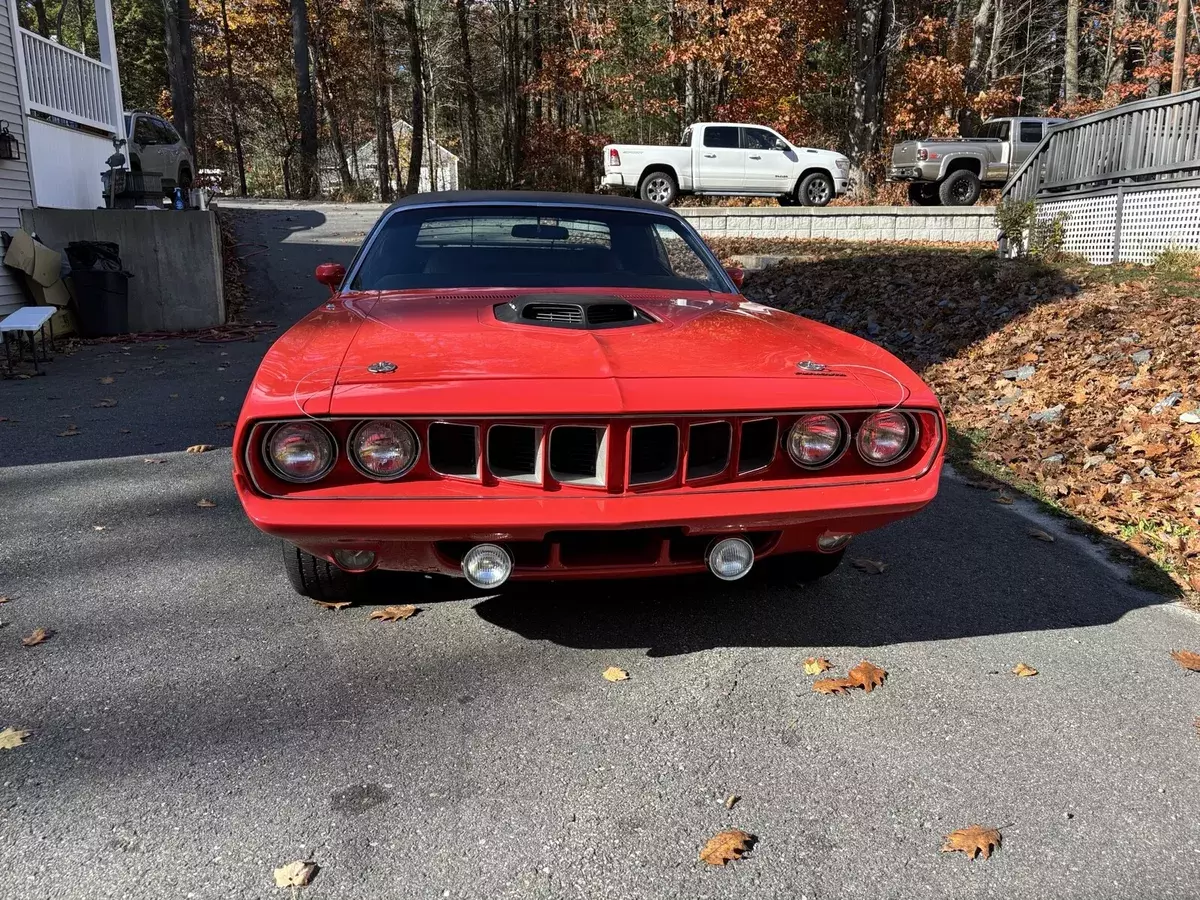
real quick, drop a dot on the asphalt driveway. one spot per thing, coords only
(195, 724)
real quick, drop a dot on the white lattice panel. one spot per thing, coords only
(1089, 226)
(1152, 221)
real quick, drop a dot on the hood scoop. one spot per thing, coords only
(579, 311)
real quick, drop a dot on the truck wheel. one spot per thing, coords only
(659, 187)
(923, 195)
(317, 578)
(960, 188)
(815, 190)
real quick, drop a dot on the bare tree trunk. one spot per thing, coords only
(472, 136)
(231, 90)
(335, 126)
(872, 27)
(978, 28)
(993, 63)
(1114, 67)
(416, 72)
(43, 21)
(1071, 59)
(181, 73)
(383, 113)
(306, 168)
(1181, 30)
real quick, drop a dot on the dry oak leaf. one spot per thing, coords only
(38, 636)
(870, 566)
(11, 738)
(973, 840)
(726, 846)
(1003, 498)
(72, 431)
(200, 448)
(394, 613)
(296, 874)
(7, 599)
(732, 799)
(107, 379)
(833, 686)
(1041, 535)
(612, 673)
(106, 403)
(1023, 671)
(1187, 659)
(330, 604)
(206, 504)
(866, 675)
(815, 665)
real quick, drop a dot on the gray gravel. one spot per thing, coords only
(195, 724)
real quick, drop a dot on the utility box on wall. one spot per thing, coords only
(174, 258)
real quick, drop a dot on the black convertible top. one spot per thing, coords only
(451, 198)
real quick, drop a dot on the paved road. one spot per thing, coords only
(195, 724)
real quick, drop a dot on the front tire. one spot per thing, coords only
(815, 190)
(317, 578)
(960, 188)
(923, 195)
(659, 187)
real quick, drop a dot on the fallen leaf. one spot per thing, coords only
(10, 738)
(157, 462)
(72, 431)
(870, 566)
(972, 841)
(125, 430)
(206, 504)
(160, 346)
(106, 403)
(612, 673)
(296, 874)
(107, 379)
(816, 665)
(200, 448)
(38, 636)
(731, 801)
(1187, 659)
(394, 613)
(833, 685)
(867, 676)
(99, 527)
(7, 599)
(174, 396)
(726, 846)
(1023, 671)
(1041, 535)
(329, 604)
(225, 424)
(1003, 498)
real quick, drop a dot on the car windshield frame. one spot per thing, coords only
(718, 279)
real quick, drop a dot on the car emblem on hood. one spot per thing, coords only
(382, 367)
(809, 365)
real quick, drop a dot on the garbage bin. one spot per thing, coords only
(101, 288)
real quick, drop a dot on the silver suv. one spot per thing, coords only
(155, 146)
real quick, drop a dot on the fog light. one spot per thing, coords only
(354, 560)
(829, 542)
(487, 565)
(730, 558)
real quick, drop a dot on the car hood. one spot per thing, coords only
(447, 353)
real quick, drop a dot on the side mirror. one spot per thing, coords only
(781, 145)
(331, 275)
(736, 275)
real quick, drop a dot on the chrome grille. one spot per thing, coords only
(559, 313)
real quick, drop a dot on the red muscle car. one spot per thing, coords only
(547, 386)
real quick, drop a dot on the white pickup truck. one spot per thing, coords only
(731, 160)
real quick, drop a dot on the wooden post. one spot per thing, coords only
(1181, 29)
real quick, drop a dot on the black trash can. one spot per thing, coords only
(102, 302)
(101, 288)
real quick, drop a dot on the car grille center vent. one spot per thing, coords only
(578, 311)
(653, 453)
(578, 454)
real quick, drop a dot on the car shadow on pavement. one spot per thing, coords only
(963, 568)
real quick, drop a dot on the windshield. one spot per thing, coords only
(456, 246)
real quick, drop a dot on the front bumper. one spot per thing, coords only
(412, 535)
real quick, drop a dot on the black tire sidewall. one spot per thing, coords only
(946, 188)
(670, 180)
(802, 192)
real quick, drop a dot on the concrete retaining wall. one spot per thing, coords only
(175, 258)
(958, 224)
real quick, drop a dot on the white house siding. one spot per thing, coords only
(15, 190)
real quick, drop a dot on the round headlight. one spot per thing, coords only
(815, 440)
(300, 451)
(884, 438)
(383, 449)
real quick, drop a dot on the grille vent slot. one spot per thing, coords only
(512, 452)
(708, 449)
(608, 313)
(759, 438)
(653, 453)
(556, 313)
(454, 449)
(578, 454)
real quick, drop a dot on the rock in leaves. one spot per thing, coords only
(727, 846)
